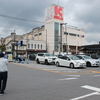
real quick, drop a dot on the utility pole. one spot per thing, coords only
(66, 39)
(14, 44)
(61, 24)
(61, 37)
(46, 40)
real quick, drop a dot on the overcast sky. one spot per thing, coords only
(80, 13)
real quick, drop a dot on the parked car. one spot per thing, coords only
(70, 61)
(89, 61)
(58, 55)
(32, 56)
(94, 56)
(45, 58)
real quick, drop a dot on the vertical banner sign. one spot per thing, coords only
(54, 12)
(48, 13)
(58, 14)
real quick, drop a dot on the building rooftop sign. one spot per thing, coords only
(54, 12)
(58, 14)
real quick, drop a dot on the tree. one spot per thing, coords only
(2, 48)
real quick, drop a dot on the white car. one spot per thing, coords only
(89, 61)
(70, 61)
(45, 58)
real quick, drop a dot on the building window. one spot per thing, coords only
(28, 45)
(56, 36)
(72, 34)
(80, 35)
(38, 46)
(35, 46)
(35, 34)
(41, 46)
(40, 33)
(31, 45)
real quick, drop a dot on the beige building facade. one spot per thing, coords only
(55, 29)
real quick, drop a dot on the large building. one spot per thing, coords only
(57, 35)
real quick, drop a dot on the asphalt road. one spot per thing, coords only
(47, 82)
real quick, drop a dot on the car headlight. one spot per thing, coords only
(77, 63)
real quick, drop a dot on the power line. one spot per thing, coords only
(20, 19)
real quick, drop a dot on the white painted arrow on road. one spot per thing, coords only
(91, 88)
(87, 95)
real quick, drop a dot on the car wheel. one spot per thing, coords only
(88, 64)
(57, 64)
(38, 62)
(71, 65)
(46, 62)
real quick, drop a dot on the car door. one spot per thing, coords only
(60, 60)
(41, 56)
(64, 61)
(67, 61)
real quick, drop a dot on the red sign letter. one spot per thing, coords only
(58, 13)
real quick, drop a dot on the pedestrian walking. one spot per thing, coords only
(3, 73)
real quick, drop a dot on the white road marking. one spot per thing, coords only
(91, 88)
(72, 75)
(81, 97)
(72, 71)
(67, 79)
(63, 69)
(95, 75)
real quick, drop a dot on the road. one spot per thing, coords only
(47, 82)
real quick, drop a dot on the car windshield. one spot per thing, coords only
(49, 55)
(74, 58)
(87, 57)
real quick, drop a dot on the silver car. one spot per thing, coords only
(89, 61)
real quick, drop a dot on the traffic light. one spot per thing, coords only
(21, 43)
